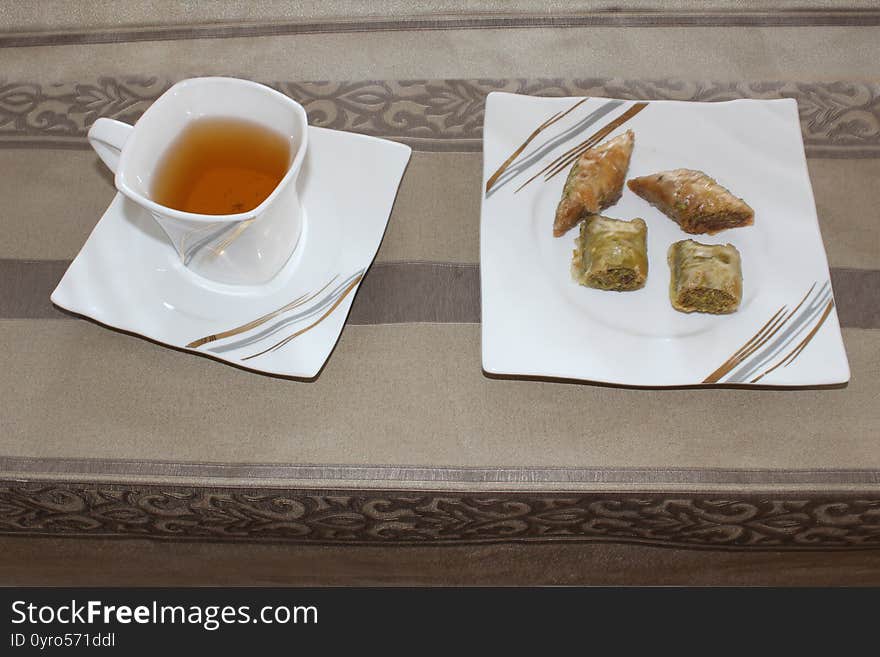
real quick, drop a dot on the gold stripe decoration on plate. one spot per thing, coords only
(570, 156)
(530, 155)
(320, 304)
(553, 119)
(770, 344)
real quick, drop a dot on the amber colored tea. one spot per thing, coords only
(221, 166)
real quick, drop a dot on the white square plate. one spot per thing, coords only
(538, 322)
(128, 275)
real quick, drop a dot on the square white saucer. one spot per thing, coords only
(538, 322)
(128, 276)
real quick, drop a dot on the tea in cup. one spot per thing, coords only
(215, 161)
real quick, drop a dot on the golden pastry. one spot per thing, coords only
(594, 182)
(694, 200)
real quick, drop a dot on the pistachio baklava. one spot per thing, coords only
(594, 182)
(705, 278)
(611, 254)
(694, 200)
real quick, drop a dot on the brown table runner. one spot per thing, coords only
(402, 438)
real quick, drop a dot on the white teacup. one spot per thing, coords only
(246, 248)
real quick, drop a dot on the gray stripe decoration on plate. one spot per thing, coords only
(785, 326)
(315, 305)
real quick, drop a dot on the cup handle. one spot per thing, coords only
(107, 137)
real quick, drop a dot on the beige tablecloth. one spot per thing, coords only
(402, 420)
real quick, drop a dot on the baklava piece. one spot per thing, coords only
(594, 182)
(705, 278)
(694, 200)
(611, 254)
